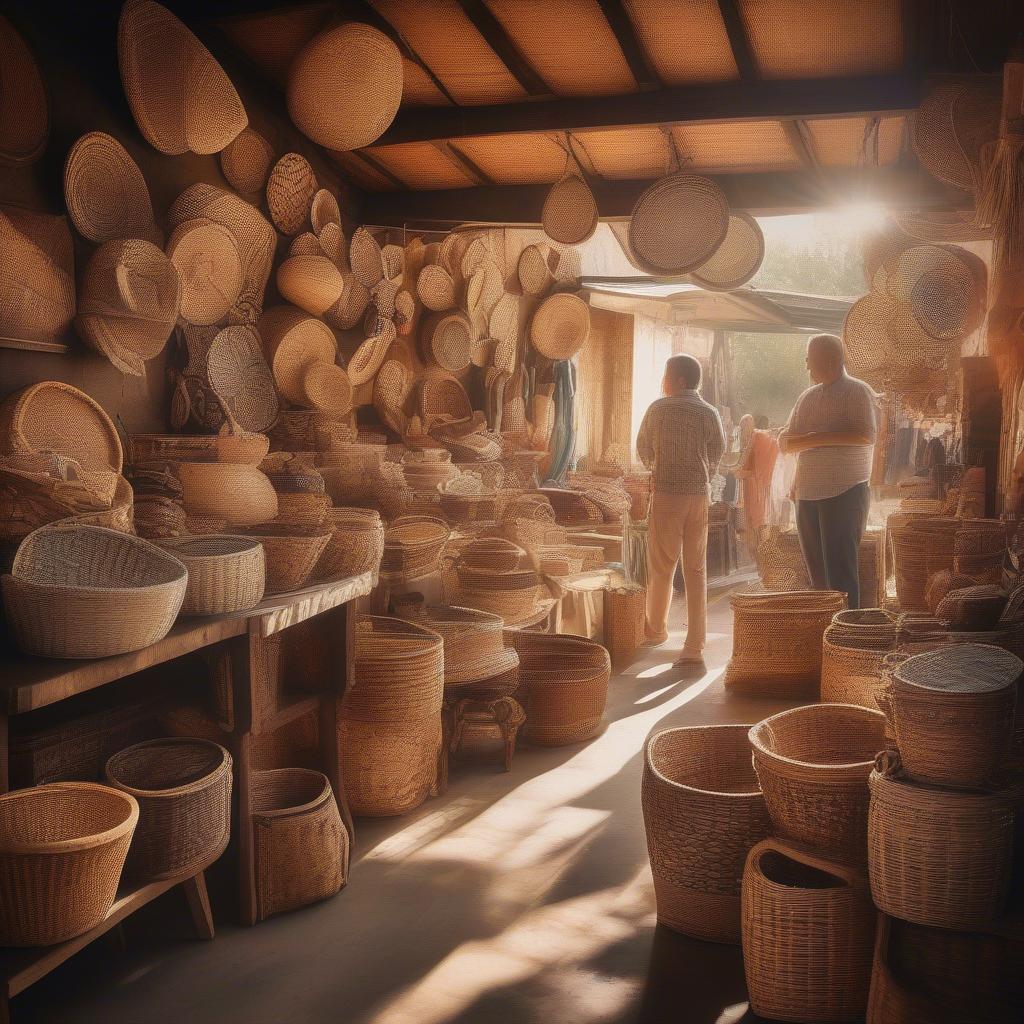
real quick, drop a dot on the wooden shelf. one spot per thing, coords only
(29, 345)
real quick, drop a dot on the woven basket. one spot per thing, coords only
(225, 574)
(813, 763)
(356, 545)
(246, 162)
(952, 711)
(853, 649)
(777, 641)
(291, 553)
(736, 260)
(209, 267)
(292, 341)
(88, 592)
(972, 608)
(569, 215)
(625, 609)
(300, 846)
(921, 548)
(938, 857)
(183, 788)
(370, 356)
(327, 388)
(474, 646)
(703, 811)
(239, 495)
(677, 224)
(561, 325)
(312, 283)
(808, 934)
(242, 448)
(62, 848)
(290, 190)
(105, 192)
(412, 548)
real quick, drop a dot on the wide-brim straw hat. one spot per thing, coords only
(290, 190)
(105, 193)
(435, 288)
(324, 210)
(365, 258)
(24, 104)
(736, 260)
(327, 388)
(569, 214)
(391, 388)
(560, 326)
(677, 224)
(241, 378)
(292, 340)
(474, 645)
(246, 162)
(442, 395)
(368, 358)
(448, 341)
(345, 86)
(312, 283)
(180, 96)
(209, 268)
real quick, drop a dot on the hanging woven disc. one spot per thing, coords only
(435, 288)
(569, 214)
(324, 210)
(677, 224)
(181, 98)
(866, 335)
(736, 260)
(292, 340)
(327, 388)
(345, 86)
(881, 246)
(940, 226)
(534, 273)
(560, 326)
(367, 359)
(206, 258)
(290, 190)
(391, 387)
(448, 341)
(246, 162)
(240, 377)
(24, 105)
(312, 283)
(365, 258)
(105, 192)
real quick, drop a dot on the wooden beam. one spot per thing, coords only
(737, 33)
(633, 50)
(471, 167)
(758, 193)
(778, 99)
(497, 39)
(361, 154)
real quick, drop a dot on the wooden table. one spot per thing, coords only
(240, 649)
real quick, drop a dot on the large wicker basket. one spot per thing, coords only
(356, 545)
(813, 763)
(853, 649)
(291, 552)
(62, 848)
(808, 932)
(300, 846)
(225, 574)
(88, 592)
(703, 811)
(183, 787)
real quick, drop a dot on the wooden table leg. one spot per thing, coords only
(199, 905)
(331, 764)
(246, 860)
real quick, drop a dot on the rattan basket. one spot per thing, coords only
(474, 646)
(290, 190)
(808, 936)
(183, 788)
(300, 846)
(89, 592)
(412, 548)
(625, 607)
(703, 811)
(225, 574)
(356, 545)
(237, 494)
(920, 548)
(853, 649)
(291, 553)
(312, 283)
(62, 848)
(813, 763)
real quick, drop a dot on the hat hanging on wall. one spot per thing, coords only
(327, 388)
(391, 387)
(105, 192)
(180, 96)
(209, 267)
(736, 260)
(246, 162)
(560, 326)
(24, 105)
(240, 377)
(435, 288)
(324, 210)
(345, 86)
(533, 271)
(312, 283)
(349, 309)
(291, 341)
(570, 214)
(447, 340)
(367, 359)
(290, 190)
(365, 258)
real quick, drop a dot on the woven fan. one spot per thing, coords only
(209, 268)
(345, 86)
(324, 210)
(105, 192)
(312, 283)
(561, 326)
(290, 190)
(736, 260)
(435, 288)
(569, 214)
(240, 377)
(448, 341)
(327, 388)
(180, 96)
(365, 258)
(24, 106)
(367, 359)
(391, 388)
(246, 162)
(292, 340)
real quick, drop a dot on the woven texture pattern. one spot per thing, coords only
(24, 107)
(225, 574)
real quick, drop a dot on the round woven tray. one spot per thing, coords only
(560, 326)
(569, 214)
(241, 379)
(448, 339)
(246, 162)
(435, 288)
(736, 260)
(290, 190)
(293, 341)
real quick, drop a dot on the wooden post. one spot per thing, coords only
(199, 905)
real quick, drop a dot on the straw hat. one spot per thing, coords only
(485, 288)
(206, 258)
(130, 301)
(534, 273)
(443, 395)
(292, 340)
(569, 214)
(677, 224)
(448, 341)
(504, 319)
(246, 162)
(240, 377)
(180, 96)
(474, 644)
(290, 190)
(324, 210)
(345, 86)
(561, 326)
(391, 387)
(37, 275)
(312, 283)
(365, 258)
(865, 335)
(435, 288)
(349, 309)
(367, 359)
(736, 260)
(24, 106)
(327, 388)
(105, 192)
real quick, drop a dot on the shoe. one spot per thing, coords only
(654, 641)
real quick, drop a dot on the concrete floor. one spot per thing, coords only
(513, 898)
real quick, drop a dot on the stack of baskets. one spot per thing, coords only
(413, 546)
(921, 547)
(495, 576)
(853, 650)
(356, 544)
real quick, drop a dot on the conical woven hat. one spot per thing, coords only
(677, 224)
(561, 326)
(327, 388)
(312, 283)
(290, 190)
(24, 106)
(569, 214)
(736, 260)
(209, 268)
(240, 377)
(324, 210)
(345, 86)
(246, 162)
(291, 341)
(105, 192)
(180, 96)
(367, 359)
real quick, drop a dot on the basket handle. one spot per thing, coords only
(806, 856)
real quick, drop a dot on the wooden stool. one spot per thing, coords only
(489, 719)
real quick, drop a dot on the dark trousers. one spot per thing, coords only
(830, 532)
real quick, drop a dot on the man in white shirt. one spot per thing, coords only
(832, 431)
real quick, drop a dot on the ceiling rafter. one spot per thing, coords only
(508, 53)
(464, 163)
(633, 50)
(737, 33)
(361, 154)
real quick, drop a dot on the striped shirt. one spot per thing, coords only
(681, 441)
(846, 405)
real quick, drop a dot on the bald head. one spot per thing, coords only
(825, 358)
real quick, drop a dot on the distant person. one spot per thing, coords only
(832, 432)
(755, 471)
(681, 441)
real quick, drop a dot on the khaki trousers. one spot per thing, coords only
(678, 525)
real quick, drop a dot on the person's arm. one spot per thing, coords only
(789, 433)
(715, 442)
(802, 442)
(644, 441)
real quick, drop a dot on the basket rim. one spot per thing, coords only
(242, 546)
(286, 812)
(649, 764)
(414, 630)
(83, 842)
(174, 791)
(759, 749)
